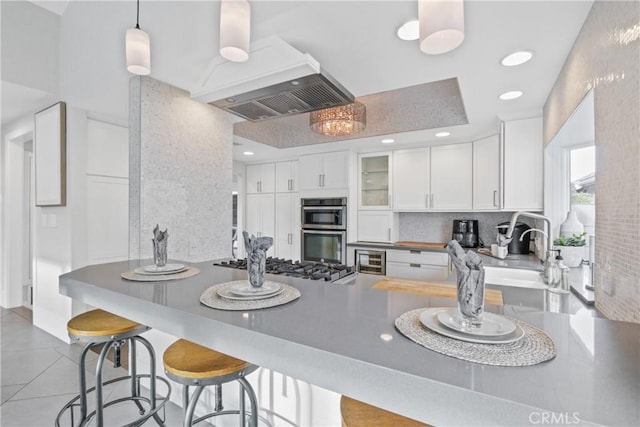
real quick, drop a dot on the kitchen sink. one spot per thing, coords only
(517, 277)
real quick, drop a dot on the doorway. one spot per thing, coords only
(17, 240)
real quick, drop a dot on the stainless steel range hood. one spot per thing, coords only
(277, 81)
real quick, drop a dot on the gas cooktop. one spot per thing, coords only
(302, 269)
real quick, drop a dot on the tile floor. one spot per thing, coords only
(39, 375)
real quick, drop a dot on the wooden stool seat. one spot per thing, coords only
(189, 360)
(359, 414)
(99, 323)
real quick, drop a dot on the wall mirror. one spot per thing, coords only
(50, 154)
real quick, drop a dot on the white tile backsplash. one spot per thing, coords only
(180, 172)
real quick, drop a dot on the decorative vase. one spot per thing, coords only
(571, 225)
(572, 256)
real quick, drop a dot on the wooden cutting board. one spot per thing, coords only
(491, 296)
(426, 245)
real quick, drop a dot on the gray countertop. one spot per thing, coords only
(331, 337)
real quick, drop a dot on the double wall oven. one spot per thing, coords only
(324, 230)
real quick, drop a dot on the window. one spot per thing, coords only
(582, 173)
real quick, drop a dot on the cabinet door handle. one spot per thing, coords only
(432, 207)
(320, 180)
(323, 180)
(414, 265)
(389, 234)
(495, 194)
(292, 185)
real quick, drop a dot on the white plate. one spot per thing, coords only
(429, 319)
(492, 325)
(244, 289)
(165, 269)
(228, 294)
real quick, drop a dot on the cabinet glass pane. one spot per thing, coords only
(375, 181)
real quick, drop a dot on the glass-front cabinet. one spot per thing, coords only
(375, 181)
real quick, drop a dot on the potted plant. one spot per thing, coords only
(571, 248)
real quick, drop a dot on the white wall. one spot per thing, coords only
(30, 45)
(60, 243)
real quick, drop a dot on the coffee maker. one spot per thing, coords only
(465, 231)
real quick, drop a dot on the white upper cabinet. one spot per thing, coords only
(486, 173)
(375, 181)
(261, 178)
(287, 177)
(523, 149)
(451, 177)
(411, 179)
(324, 171)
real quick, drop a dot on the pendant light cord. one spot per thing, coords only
(138, 14)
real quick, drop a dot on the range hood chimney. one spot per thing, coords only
(276, 81)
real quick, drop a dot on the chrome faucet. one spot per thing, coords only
(547, 234)
(533, 229)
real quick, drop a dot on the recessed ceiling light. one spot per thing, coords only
(516, 58)
(295, 82)
(512, 94)
(388, 141)
(386, 337)
(248, 153)
(442, 134)
(409, 30)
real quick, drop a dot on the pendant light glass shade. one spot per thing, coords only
(138, 49)
(338, 121)
(441, 25)
(235, 29)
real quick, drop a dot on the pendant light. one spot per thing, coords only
(441, 25)
(138, 48)
(235, 29)
(339, 121)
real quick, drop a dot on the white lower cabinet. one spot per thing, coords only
(260, 217)
(287, 235)
(417, 265)
(375, 226)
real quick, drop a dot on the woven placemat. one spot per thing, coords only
(132, 275)
(210, 298)
(535, 347)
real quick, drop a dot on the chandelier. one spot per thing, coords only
(337, 121)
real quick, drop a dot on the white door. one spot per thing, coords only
(286, 177)
(486, 173)
(335, 170)
(451, 177)
(523, 164)
(261, 178)
(411, 179)
(260, 216)
(375, 226)
(310, 171)
(287, 233)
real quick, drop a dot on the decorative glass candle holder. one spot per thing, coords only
(160, 252)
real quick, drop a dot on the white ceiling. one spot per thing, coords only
(355, 42)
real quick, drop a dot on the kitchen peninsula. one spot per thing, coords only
(342, 337)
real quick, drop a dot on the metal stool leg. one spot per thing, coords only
(152, 377)
(101, 359)
(188, 414)
(83, 383)
(253, 401)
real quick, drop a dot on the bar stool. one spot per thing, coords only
(99, 327)
(358, 414)
(191, 364)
